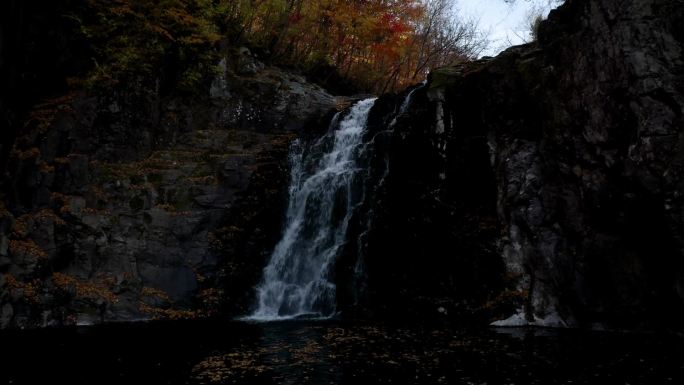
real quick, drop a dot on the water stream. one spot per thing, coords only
(322, 197)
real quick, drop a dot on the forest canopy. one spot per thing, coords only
(380, 45)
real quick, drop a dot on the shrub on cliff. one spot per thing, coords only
(137, 38)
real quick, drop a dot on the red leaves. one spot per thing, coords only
(295, 18)
(393, 25)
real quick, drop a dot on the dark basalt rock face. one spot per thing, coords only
(563, 159)
(134, 203)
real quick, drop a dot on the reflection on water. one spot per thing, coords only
(334, 353)
(283, 353)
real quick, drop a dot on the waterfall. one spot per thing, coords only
(322, 196)
(406, 103)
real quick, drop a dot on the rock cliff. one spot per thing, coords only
(541, 187)
(544, 184)
(137, 203)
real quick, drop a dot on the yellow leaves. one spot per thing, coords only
(202, 180)
(210, 298)
(46, 168)
(85, 289)
(29, 291)
(42, 116)
(93, 211)
(26, 248)
(188, 29)
(99, 193)
(195, 39)
(63, 281)
(181, 17)
(61, 200)
(170, 314)
(30, 153)
(122, 10)
(20, 226)
(159, 31)
(25, 223)
(12, 282)
(220, 368)
(48, 215)
(155, 293)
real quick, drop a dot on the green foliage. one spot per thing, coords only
(135, 38)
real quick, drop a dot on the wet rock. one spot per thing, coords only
(178, 282)
(6, 314)
(561, 156)
(4, 248)
(246, 63)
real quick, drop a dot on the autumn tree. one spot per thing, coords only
(380, 45)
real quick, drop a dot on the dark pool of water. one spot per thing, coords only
(214, 352)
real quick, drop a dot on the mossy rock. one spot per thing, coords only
(443, 77)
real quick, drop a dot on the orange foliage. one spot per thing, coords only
(84, 289)
(381, 44)
(171, 314)
(29, 291)
(27, 247)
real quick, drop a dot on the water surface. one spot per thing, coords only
(301, 352)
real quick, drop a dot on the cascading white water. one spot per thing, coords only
(406, 103)
(296, 281)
